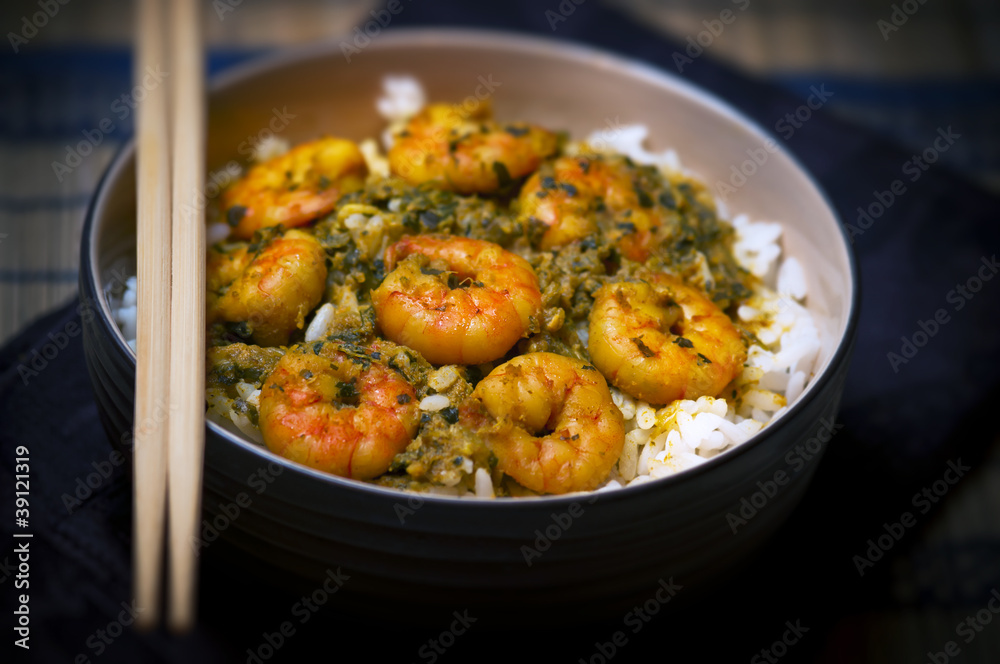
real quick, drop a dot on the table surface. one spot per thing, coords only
(938, 69)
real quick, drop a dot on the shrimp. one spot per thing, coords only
(456, 300)
(293, 189)
(660, 340)
(269, 286)
(573, 193)
(337, 410)
(465, 151)
(557, 428)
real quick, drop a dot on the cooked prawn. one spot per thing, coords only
(571, 194)
(660, 340)
(466, 150)
(557, 428)
(337, 411)
(294, 188)
(456, 300)
(270, 286)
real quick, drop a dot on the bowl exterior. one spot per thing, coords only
(581, 554)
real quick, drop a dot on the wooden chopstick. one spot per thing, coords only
(152, 402)
(170, 341)
(187, 309)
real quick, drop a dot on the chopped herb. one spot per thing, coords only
(235, 215)
(683, 343)
(568, 188)
(317, 347)
(403, 398)
(644, 199)
(241, 329)
(541, 194)
(503, 175)
(376, 355)
(548, 182)
(347, 390)
(643, 348)
(429, 219)
(516, 131)
(450, 414)
(667, 200)
(412, 222)
(626, 226)
(430, 271)
(324, 182)
(474, 374)
(575, 436)
(457, 461)
(588, 367)
(584, 166)
(702, 359)
(305, 373)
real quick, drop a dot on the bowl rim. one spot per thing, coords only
(529, 44)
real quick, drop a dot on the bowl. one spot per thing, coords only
(583, 553)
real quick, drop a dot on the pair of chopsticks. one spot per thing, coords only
(169, 435)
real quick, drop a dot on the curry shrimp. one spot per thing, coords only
(464, 150)
(557, 428)
(575, 197)
(294, 188)
(493, 311)
(456, 300)
(337, 411)
(269, 287)
(659, 340)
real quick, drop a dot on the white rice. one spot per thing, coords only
(222, 408)
(216, 232)
(434, 403)
(484, 484)
(658, 442)
(629, 140)
(402, 97)
(123, 311)
(378, 164)
(269, 147)
(321, 320)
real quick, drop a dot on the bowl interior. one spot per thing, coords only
(317, 91)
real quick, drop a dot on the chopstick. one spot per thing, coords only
(170, 373)
(153, 237)
(187, 310)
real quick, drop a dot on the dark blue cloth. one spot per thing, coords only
(903, 423)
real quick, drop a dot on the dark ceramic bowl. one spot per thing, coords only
(583, 552)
